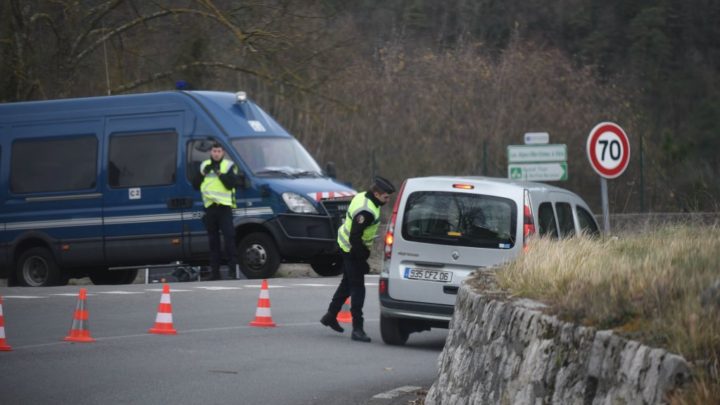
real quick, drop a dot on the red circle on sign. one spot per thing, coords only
(592, 143)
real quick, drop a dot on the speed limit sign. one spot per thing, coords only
(608, 150)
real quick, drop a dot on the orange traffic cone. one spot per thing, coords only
(3, 345)
(263, 318)
(163, 321)
(79, 331)
(344, 316)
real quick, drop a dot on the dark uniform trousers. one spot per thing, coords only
(352, 285)
(219, 218)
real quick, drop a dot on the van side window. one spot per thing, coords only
(565, 219)
(587, 223)
(58, 164)
(142, 159)
(546, 220)
(197, 152)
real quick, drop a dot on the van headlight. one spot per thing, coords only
(299, 204)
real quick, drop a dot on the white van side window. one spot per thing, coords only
(565, 219)
(546, 221)
(587, 223)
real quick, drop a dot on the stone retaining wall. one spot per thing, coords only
(502, 352)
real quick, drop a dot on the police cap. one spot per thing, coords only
(383, 184)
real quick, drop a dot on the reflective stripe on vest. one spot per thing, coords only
(213, 190)
(359, 204)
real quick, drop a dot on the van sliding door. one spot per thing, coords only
(142, 218)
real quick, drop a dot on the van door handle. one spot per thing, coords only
(180, 203)
(448, 289)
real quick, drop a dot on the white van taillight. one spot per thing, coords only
(383, 286)
(528, 224)
(389, 236)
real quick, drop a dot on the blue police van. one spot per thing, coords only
(102, 186)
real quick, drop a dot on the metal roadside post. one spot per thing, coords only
(608, 150)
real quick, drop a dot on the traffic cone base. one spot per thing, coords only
(163, 320)
(344, 316)
(263, 316)
(79, 331)
(4, 347)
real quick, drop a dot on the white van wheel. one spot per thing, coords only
(36, 267)
(392, 332)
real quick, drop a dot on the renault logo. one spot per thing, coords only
(455, 255)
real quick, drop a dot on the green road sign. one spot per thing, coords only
(537, 153)
(553, 171)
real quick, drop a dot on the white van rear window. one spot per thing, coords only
(460, 219)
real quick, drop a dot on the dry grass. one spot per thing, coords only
(655, 288)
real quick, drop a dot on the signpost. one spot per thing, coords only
(608, 150)
(537, 162)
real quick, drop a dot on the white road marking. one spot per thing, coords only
(218, 288)
(120, 292)
(314, 285)
(188, 331)
(172, 290)
(23, 297)
(269, 286)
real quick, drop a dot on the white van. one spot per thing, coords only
(443, 228)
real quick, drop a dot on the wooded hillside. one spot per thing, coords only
(413, 87)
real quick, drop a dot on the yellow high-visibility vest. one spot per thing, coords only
(359, 204)
(213, 190)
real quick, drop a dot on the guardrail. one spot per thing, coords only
(645, 222)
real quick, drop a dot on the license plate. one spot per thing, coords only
(428, 275)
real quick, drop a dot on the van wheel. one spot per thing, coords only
(328, 265)
(392, 331)
(112, 277)
(36, 267)
(259, 257)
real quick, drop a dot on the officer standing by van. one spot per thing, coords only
(217, 180)
(355, 238)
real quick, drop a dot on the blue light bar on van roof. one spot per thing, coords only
(240, 96)
(463, 186)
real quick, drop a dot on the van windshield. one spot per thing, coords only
(460, 219)
(276, 157)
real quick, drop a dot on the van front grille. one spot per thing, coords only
(336, 210)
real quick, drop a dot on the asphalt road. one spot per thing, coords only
(216, 358)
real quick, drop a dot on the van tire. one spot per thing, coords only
(327, 265)
(36, 267)
(392, 331)
(112, 277)
(259, 257)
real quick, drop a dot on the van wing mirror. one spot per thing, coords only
(330, 170)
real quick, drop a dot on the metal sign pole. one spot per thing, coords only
(605, 207)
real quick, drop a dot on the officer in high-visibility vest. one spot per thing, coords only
(217, 181)
(355, 238)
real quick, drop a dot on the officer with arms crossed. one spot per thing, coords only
(217, 180)
(355, 238)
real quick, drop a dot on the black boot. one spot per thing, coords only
(360, 336)
(330, 321)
